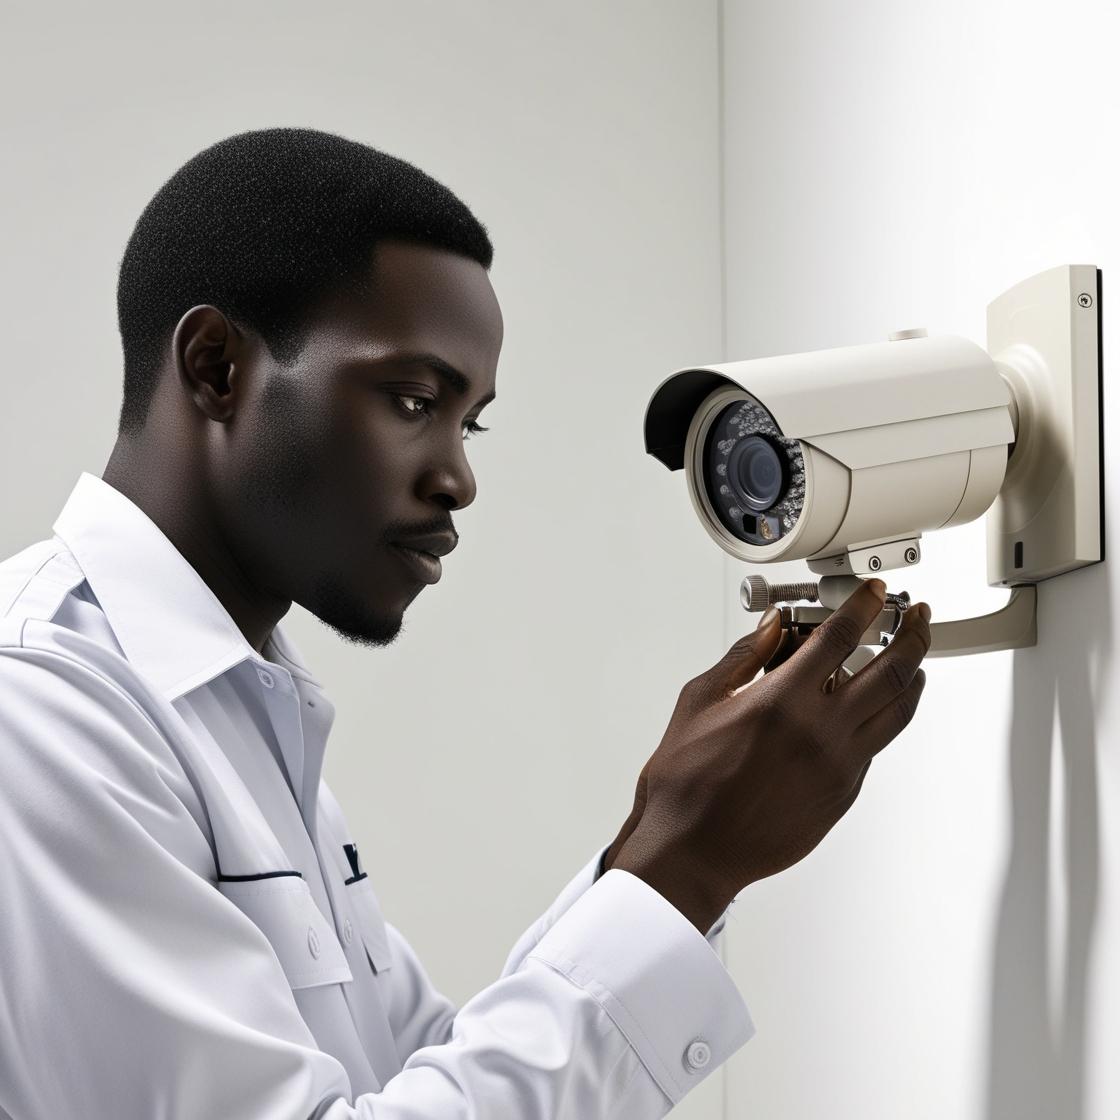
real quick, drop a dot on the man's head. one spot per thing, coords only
(309, 333)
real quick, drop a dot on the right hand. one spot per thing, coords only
(748, 780)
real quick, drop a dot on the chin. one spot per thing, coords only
(371, 621)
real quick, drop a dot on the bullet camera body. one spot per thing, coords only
(844, 457)
(822, 455)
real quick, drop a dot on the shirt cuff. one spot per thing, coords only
(660, 981)
(717, 926)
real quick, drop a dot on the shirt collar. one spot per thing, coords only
(169, 623)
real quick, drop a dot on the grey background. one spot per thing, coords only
(484, 758)
(666, 183)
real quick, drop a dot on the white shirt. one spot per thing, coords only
(187, 928)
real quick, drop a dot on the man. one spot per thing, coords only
(309, 337)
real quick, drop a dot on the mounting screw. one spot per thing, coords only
(911, 555)
(756, 594)
(874, 563)
(1085, 299)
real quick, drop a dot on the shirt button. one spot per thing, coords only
(698, 1055)
(266, 677)
(348, 931)
(313, 941)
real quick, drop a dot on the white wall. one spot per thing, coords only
(952, 948)
(484, 757)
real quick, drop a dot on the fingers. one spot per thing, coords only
(742, 662)
(789, 643)
(833, 641)
(873, 735)
(877, 684)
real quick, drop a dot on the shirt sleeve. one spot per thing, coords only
(131, 987)
(421, 1015)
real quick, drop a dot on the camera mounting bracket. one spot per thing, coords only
(1044, 335)
(870, 558)
(1013, 626)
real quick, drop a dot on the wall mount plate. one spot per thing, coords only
(1044, 335)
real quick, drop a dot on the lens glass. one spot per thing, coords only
(755, 472)
(753, 475)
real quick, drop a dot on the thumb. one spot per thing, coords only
(743, 661)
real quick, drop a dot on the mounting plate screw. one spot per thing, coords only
(911, 555)
(874, 563)
(1085, 299)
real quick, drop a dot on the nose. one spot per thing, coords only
(450, 484)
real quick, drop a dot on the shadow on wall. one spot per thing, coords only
(1037, 1052)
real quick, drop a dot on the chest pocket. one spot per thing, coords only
(281, 906)
(367, 912)
(359, 890)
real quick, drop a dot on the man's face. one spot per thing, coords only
(359, 443)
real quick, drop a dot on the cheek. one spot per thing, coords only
(378, 453)
(282, 458)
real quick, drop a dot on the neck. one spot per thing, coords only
(164, 487)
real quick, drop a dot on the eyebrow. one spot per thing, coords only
(444, 370)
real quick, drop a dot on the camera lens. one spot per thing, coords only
(755, 472)
(753, 476)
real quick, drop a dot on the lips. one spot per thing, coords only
(437, 544)
(423, 565)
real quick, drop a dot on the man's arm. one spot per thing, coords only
(421, 1015)
(170, 1000)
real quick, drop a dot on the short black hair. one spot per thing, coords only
(263, 224)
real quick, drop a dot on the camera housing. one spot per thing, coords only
(861, 446)
(844, 457)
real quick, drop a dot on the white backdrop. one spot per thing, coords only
(952, 949)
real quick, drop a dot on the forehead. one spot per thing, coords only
(423, 300)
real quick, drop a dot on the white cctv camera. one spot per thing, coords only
(844, 457)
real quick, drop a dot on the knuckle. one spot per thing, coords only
(698, 691)
(689, 691)
(904, 707)
(840, 634)
(918, 626)
(822, 748)
(764, 703)
(896, 675)
(689, 686)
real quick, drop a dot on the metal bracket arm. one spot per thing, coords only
(1013, 626)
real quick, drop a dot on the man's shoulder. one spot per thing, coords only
(70, 703)
(56, 651)
(48, 620)
(64, 653)
(34, 583)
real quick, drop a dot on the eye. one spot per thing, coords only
(470, 428)
(416, 400)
